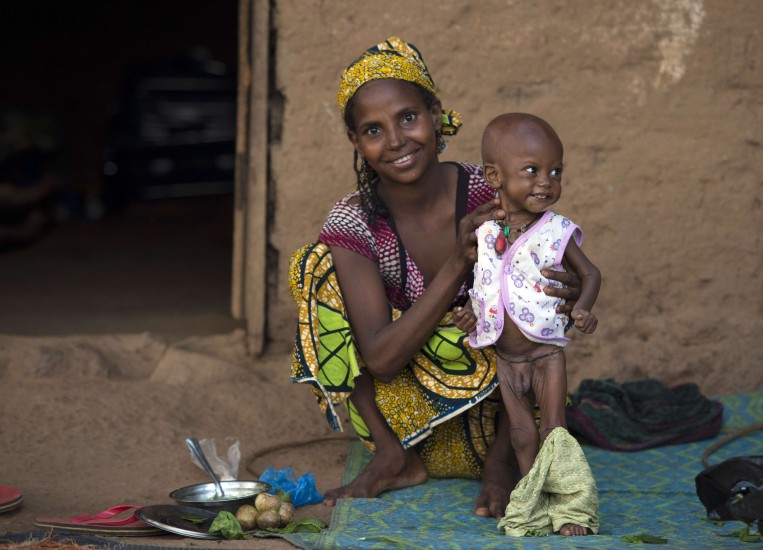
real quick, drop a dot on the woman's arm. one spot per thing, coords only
(388, 346)
(570, 292)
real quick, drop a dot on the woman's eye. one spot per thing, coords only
(409, 117)
(372, 131)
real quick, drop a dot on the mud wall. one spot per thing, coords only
(659, 104)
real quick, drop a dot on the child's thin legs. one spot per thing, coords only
(523, 430)
(549, 385)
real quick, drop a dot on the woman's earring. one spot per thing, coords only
(361, 169)
(439, 141)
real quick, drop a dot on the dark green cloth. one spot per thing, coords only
(641, 414)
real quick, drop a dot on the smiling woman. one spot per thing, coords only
(375, 294)
(395, 140)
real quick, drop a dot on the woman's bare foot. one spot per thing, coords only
(498, 481)
(499, 477)
(572, 530)
(403, 468)
(500, 474)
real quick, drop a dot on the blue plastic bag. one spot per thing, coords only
(302, 491)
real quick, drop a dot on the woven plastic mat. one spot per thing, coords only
(647, 492)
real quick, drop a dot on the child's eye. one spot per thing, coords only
(531, 169)
(556, 172)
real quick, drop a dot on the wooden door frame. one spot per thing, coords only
(249, 281)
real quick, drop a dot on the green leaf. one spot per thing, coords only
(643, 538)
(746, 536)
(228, 526)
(194, 519)
(395, 542)
(307, 525)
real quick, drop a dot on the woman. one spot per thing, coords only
(400, 248)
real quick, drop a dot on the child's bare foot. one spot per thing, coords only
(403, 469)
(572, 530)
(499, 478)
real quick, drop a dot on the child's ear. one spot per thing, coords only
(492, 176)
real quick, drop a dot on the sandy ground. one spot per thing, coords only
(99, 419)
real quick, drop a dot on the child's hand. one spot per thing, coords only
(465, 319)
(585, 321)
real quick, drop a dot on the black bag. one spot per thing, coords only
(733, 489)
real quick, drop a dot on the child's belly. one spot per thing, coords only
(512, 343)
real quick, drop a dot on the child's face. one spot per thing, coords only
(528, 172)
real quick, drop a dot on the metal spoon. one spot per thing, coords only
(195, 447)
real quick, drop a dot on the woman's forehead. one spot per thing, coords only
(386, 93)
(385, 88)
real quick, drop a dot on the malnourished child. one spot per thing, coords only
(523, 162)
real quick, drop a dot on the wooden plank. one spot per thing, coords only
(255, 250)
(243, 97)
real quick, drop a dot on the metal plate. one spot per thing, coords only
(171, 518)
(203, 495)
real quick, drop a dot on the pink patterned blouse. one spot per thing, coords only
(348, 226)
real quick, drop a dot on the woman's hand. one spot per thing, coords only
(467, 236)
(570, 292)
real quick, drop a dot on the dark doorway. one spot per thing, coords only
(156, 254)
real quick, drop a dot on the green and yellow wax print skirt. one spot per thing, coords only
(443, 402)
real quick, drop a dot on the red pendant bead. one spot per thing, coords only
(500, 244)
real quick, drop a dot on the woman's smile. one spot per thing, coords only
(405, 161)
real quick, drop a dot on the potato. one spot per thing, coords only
(268, 519)
(266, 501)
(247, 517)
(286, 513)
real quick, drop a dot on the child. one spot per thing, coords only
(522, 157)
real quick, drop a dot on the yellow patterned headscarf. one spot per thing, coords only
(393, 58)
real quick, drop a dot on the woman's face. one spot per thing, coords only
(395, 130)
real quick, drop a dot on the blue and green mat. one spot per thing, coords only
(649, 492)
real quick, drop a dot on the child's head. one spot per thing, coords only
(523, 160)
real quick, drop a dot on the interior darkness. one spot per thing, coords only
(161, 265)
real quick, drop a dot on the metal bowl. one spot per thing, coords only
(203, 495)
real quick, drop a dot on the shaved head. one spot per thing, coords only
(504, 129)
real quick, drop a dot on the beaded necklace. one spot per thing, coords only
(502, 241)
